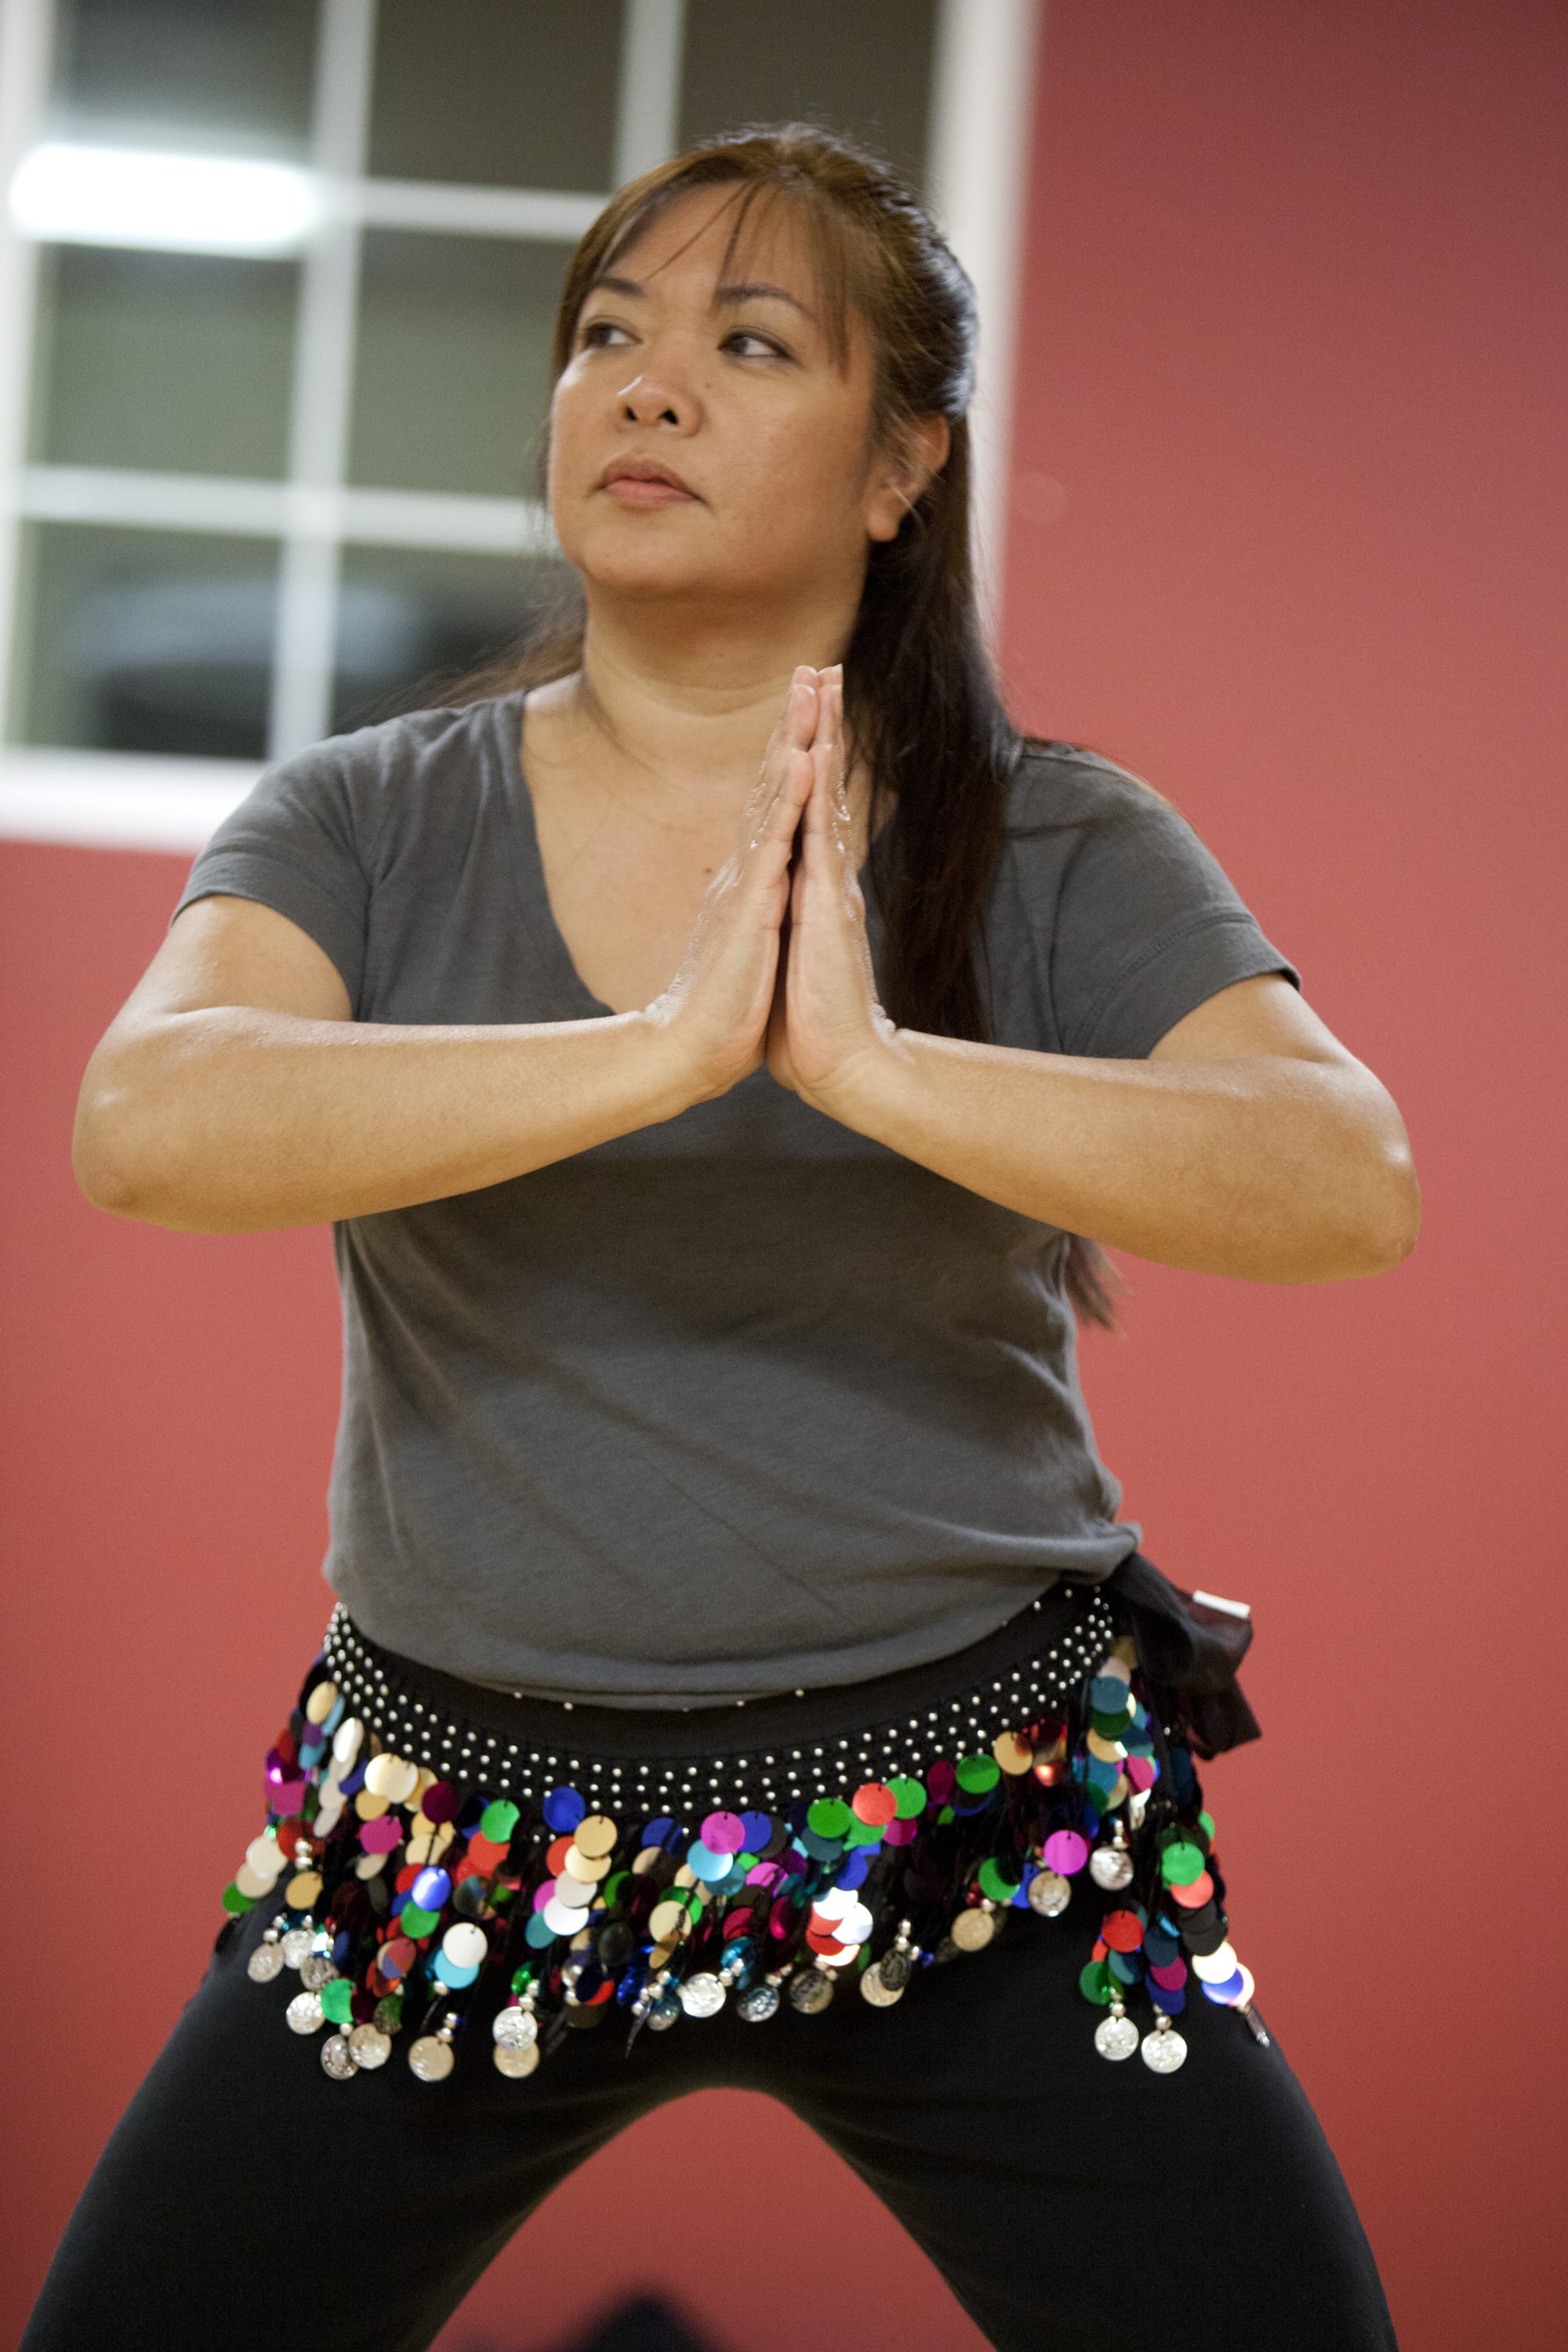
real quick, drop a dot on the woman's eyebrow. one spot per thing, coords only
(727, 297)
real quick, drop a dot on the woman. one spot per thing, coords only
(733, 1632)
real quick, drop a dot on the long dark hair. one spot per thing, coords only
(921, 704)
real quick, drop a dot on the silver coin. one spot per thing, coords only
(811, 1991)
(337, 2059)
(1116, 2037)
(1049, 1892)
(315, 1971)
(514, 2028)
(304, 2013)
(297, 1946)
(265, 1963)
(371, 2047)
(664, 2012)
(1110, 1866)
(896, 1969)
(515, 2058)
(875, 1988)
(703, 1995)
(758, 2002)
(1163, 2049)
(431, 2058)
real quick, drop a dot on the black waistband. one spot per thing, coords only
(1070, 1618)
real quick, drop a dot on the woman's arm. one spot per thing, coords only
(1250, 1143)
(235, 1093)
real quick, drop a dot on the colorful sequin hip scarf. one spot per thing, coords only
(461, 1866)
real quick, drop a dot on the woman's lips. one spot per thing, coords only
(629, 490)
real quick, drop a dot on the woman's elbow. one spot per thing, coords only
(107, 1159)
(1390, 1224)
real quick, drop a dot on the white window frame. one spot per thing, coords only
(982, 101)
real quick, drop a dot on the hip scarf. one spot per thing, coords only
(462, 1866)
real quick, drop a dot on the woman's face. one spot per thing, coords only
(706, 445)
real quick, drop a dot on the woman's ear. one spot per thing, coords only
(902, 471)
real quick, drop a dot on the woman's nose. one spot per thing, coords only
(645, 401)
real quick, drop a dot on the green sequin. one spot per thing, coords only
(497, 1822)
(978, 1773)
(1181, 1863)
(912, 1797)
(337, 2000)
(1096, 1983)
(830, 1818)
(995, 1881)
(413, 1921)
(233, 1901)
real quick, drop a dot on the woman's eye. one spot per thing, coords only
(598, 332)
(761, 344)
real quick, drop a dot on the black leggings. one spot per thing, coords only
(1067, 2200)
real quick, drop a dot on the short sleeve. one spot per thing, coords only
(296, 843)
(1147, 925)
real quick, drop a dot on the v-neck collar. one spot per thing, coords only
(561, 972)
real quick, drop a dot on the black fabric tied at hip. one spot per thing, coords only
(1189, 1653)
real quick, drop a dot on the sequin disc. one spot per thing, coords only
(516, 2058)
(265, 1963)
(1163, 2049)
(973, 1930)
(1116, 2037)
(810, 1990)
(431, 2058)
(337, 2059)
(1049, 1892)
(703, 1995)
(371, 2046)
(514, 2028)
(304, 2013)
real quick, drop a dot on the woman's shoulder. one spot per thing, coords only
(1059, 787)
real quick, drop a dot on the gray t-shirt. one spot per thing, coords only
(742, 1401)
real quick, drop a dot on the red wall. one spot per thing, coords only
(1288, 539)
(1281, 541)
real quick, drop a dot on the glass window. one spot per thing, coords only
(146, 640)
(499, 93)
(451, 383)
(176, 361)
(230, 74)
(410, 620)
(864, 69)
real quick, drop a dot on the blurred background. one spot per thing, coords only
(1272, 492)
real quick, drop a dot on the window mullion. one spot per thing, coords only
(982, 100)
(648, 117)
(324, 384)
(26, 45)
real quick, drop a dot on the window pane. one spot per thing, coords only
(410, 620)
(502, 93)
(145, 640)
(178, 361)
(451, 383)
(865, 70)
(236, 73)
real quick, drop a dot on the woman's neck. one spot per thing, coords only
(691, 705)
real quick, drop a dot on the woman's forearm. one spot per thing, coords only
(232, 1119)
(1265, 1166)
